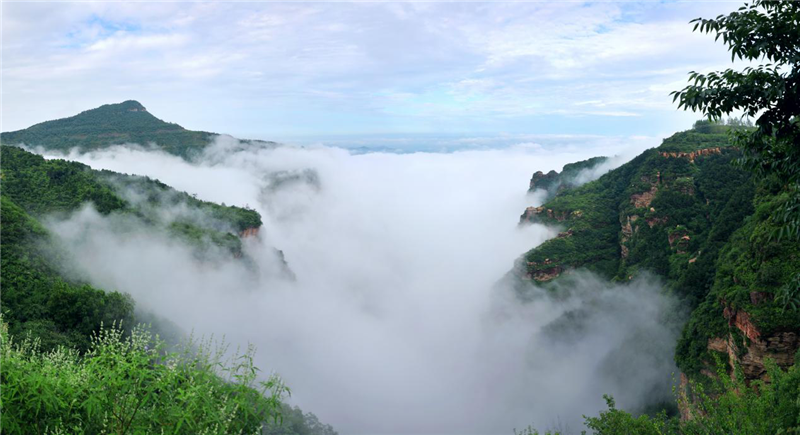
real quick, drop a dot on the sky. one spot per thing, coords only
(300, 70)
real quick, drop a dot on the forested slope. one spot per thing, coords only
(685, 212)
(70, 350)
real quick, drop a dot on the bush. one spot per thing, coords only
(128, 384)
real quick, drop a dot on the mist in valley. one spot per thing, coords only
(397, 320)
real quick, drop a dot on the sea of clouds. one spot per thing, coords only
(395, 323)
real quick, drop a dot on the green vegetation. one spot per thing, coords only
(621, 223)
(753, 272)
(727, 406)
(554, 182)
(42, 291)
(759, 31)
(63, 370)
(126, 122)
(37, 299)
(724, 237)
(128, 383)
(294, 421)
(698, 221)
(719, 126)
(58, 186)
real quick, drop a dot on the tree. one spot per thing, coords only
(770, 92)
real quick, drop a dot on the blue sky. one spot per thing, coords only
(315, 70)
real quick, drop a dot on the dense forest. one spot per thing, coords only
(74, 360)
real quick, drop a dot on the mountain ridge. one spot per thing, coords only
(683, 212)
(114, 124)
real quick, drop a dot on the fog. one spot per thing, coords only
(395, 322)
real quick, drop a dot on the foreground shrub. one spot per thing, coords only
(128, 384)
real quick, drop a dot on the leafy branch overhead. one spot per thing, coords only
(770, 92)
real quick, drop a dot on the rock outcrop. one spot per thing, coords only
(543, 181)
(544, 271)
(751, 348)
(691, 156)
(249, 232)
(531, 214)
(643, 199)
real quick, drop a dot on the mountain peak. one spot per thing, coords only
(131, 106)
(110, 124)
(117, 108)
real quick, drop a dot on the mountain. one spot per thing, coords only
(54, 334)
(40, 293)
(110, 124)
(686, 213)
(571, 175)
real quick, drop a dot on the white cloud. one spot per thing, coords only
(291, 68)
(394, 324)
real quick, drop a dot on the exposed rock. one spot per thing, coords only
(653, 221)
(718, 344)
(540, 180)
(564, 234)
(741, 320)
(531, 214)
(627, 233)
(571, 175)
(691, 156)
(538, 273)
(249, 232)
(627, 228)
(684, 401)
(678, 234)
(779, 346)
(547, 274)
(643, 199)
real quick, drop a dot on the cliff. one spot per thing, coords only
(571, 175)
(685, 213)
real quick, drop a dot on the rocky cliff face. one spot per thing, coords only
(749, 348)
(685, 213)
(533, 214)
(571, 175)
(249, 232)
(692, 155)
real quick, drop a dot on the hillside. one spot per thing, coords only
(37, 295)
(54, 335)
(684, 212)
(110, 124)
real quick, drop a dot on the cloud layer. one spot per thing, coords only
(395, 323)
(275, 70)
